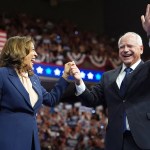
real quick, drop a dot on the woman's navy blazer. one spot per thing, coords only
(18, 127)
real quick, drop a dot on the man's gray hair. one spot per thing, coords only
(138, 38)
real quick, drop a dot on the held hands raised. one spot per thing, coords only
(70, 68)
(146, 20)
(66, 73)
(75, 72)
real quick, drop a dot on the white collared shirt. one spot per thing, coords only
(122, 73)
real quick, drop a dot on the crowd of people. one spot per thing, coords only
(63, 41)
(62, 128)
(72, 127)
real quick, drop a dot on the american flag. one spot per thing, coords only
(3, 38)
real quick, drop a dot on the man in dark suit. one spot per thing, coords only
(126, 93)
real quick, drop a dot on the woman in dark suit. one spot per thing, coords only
(21, 95)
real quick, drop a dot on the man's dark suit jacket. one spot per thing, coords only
(18, 127)
(136, 104)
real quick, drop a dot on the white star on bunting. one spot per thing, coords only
(39, 70)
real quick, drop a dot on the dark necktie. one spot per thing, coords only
(123, 86)
(122, 91)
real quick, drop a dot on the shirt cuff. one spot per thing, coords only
(80, 89)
